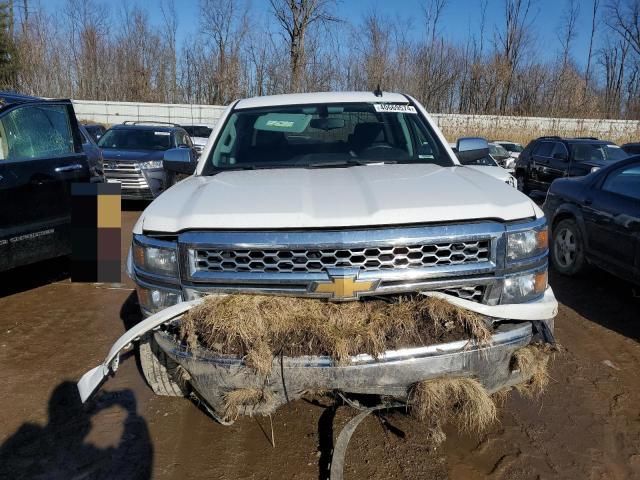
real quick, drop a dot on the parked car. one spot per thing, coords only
(513, 148)
(133, 154)
(341, 197)
(487, 165)
(40, 156)
(548, 158)
(199, 135)
(502, 157)
(95, 130)
(631, 148)
(94, 155)
(596, 220)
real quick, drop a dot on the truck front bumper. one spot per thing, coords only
(392, 374)
(211, 376)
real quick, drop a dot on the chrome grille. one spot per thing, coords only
(318, 260)
(129, 175)
(474, 293)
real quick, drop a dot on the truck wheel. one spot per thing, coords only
(163, 375)
(567, 248)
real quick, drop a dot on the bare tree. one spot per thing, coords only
(170, 20)
(295, 17)
(225, 23)
(512, 41)
(624, 18)
(568, 29)
(594, 15)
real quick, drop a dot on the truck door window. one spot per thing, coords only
(37, 131)
(543, 149)
(561, 149)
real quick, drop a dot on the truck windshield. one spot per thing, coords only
(136, 139)
(325, 135)
(586, 152)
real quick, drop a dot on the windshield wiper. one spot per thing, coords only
(354, 162)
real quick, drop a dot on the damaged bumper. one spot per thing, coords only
(211, 376)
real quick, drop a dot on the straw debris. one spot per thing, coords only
(260, 327)
(245, 401)
(533, 363)
(459, 400)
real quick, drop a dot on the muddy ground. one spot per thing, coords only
(586, 426)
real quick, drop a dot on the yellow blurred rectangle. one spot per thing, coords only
(109, 211)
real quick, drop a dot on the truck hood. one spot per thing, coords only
(370, 195)
(132, 155)
(496, 172)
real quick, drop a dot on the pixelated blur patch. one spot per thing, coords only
(95, 232)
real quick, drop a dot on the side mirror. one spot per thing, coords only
(471, 148)
(178, 160)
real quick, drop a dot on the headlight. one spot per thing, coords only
(150, 164)
(520, 288)
(157, 257)
(153, 299)
(594, 169)
(529, 243)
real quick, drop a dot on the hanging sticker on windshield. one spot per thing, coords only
(282, 122)
(162, 133)
(394, 108)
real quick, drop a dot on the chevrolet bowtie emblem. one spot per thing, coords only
(346, 287)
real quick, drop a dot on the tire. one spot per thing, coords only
(567, 248)
(164, 376)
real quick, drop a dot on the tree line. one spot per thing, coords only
(103, 51)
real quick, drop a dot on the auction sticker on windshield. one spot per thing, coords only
(394, 108)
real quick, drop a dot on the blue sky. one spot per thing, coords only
(460, 19)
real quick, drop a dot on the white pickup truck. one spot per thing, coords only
(338, 196)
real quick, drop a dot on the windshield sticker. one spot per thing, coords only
(162, 133)
(394, 108)
(283, 122)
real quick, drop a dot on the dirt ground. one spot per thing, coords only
(586, 426)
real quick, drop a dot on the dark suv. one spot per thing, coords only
(40, 156)
(548, 158)
(133, 153)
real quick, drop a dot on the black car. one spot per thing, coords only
(133, 153)
(632, 148)
(548, 158)
(40, 156)
(596, 220)
(95, 130)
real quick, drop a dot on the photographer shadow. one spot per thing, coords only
(59, 449)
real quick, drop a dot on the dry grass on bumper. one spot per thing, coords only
(260, 327)
(533, 363)
(459, 400)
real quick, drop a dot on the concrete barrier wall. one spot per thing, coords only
(495, 127)
(524, 129)
(117, 112)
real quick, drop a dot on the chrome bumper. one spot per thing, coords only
(392, 374)
(389, 375)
